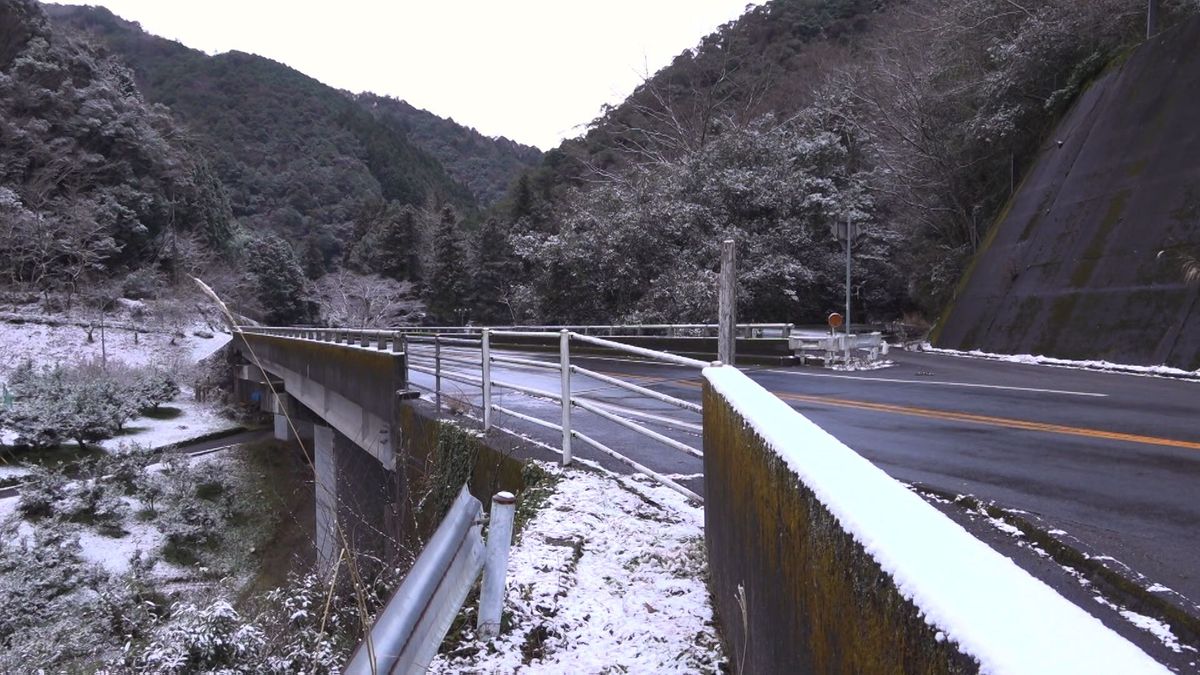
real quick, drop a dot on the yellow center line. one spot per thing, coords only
(952, 416)
(988, 420)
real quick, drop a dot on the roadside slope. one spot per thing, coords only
(1085, 263)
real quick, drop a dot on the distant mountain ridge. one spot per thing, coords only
(296, 154)
(487, 166)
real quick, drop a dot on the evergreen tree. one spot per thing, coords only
(279, 281)
(494, 275)
(448, 284)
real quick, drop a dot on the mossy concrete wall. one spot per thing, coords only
(1085, 263)
(815, 601)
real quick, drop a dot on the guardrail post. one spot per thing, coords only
(495, 565)
(564, 364)
(437, 372)
(364, 339)
(486, 379)
(398, 343)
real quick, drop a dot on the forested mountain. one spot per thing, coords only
(297, 157)
(487, 166)
(93, 179)
(913, 119)
(128, 155)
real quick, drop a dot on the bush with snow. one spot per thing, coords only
(87, 402)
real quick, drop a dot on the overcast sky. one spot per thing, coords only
(535, 71)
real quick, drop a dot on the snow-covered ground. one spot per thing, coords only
(1037, 360)
(194, 420)
(609, 576)
(51, 344)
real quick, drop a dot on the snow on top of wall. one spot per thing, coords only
(995, 611)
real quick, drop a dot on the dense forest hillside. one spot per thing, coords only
(129, 160)
(94, 180)
(487, 166)
(913, 119)
(298, 157)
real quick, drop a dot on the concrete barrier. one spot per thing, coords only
(821, 563)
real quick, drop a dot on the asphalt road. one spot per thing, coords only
(1112, 459)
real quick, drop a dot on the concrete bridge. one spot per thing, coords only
(350, 392)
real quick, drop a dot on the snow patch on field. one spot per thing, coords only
(995, 611)
(195, 420)
(1036, 360)
(52, 344)
(605, 578)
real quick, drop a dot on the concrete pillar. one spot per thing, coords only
(282, 432)
(325, 482)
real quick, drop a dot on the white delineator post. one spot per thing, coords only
(495, 564)
(564, 364)
(726, 301)
(486, 372)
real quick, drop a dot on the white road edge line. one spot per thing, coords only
(940, 383)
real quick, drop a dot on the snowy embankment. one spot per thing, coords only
(50, 341)
(1036, 360)
(602, 579)
(991, 609)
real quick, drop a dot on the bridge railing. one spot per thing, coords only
(467, 356)
(455, 358)
(743, 330)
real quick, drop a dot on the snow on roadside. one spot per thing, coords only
(1036, 360)
(606, 577)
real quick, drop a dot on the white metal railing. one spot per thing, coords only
(743, 330)
(566, 397)
(468, 357)
(837, 348)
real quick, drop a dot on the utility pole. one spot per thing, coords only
(1151, 18)
(726, 304)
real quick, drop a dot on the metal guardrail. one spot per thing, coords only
(836, 348)
(744, 330)
(406, 634)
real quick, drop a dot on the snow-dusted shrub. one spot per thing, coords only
(49, 493)
(187, 527)
(36, 571)
(84, 403)
(201, 639)
(155, 387)
(42, 489)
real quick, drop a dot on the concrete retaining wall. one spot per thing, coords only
(822, 563)
(1085, 263)
(815, 601)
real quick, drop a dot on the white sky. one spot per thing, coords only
(535, 71)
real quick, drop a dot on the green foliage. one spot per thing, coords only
(92, 175)
(279, 282)
(486, 166)
(389, 246)
(448, 283)
(495, 275)
(295, 156)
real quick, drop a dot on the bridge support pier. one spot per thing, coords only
(282, 432)
(325, 483)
